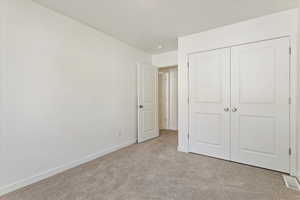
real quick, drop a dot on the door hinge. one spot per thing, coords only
(290, 100)
(188, 64)
(188, 136)
(290, 50)
(290, 151)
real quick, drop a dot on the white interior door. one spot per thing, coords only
(209, 76)
(260, 104)
(147, 102)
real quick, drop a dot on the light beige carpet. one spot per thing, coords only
(156, 171)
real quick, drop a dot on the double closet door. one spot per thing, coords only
(239, 104)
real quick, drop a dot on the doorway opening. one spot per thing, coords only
(168, 99)
(157, 102)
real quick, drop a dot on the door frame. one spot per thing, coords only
(293, 95)
(170, 68)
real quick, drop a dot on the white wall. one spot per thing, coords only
(266, 27)
(167, 59)
(67, 90)
(298, 114)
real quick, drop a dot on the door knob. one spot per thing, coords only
(141, 106)
(234, 109)
(226, 109)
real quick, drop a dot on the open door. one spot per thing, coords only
(147, 102)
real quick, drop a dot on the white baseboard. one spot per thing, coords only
(51, 172)
(144, 139)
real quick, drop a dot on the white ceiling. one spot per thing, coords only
(146, 24)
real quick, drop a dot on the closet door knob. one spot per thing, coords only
(226, 109)
(141, 106)
(234, 109)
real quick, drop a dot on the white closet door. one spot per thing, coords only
(209, 75)
(260, 104)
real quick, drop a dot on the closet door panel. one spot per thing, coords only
(260, 104)
(209, 76)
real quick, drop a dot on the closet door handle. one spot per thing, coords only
(226, 109)
(234, 109)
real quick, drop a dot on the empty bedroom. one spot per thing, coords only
(149, 100)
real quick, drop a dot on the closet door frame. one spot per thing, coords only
(293, 99)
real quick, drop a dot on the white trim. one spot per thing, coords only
(46, 174)
(294, 102)
(272, 26)
(291, 182)
(148, 138)
(138, 88)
